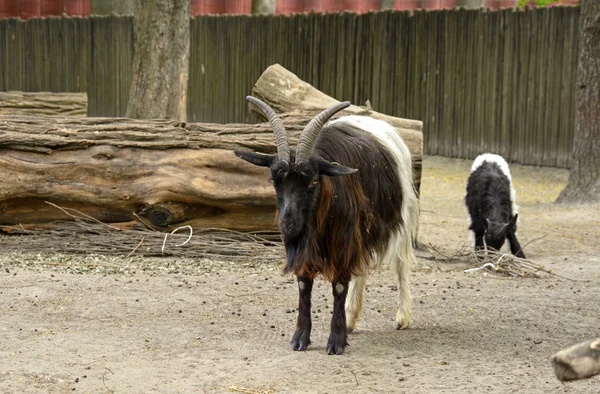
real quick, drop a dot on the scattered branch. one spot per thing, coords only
(491, 260)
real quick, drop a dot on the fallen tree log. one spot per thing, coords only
(43, 103)
(286, 93)
(577, 362)
(164, 173)
(170, 173)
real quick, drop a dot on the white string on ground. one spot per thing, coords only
(173, 232)
(480, 268)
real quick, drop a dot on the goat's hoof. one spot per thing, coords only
(349, 329)
(301, 339)
(402, 325)
(336, 344)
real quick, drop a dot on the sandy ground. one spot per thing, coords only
(98, 324)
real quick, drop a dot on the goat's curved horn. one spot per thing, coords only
(283, 147)
(308, 137)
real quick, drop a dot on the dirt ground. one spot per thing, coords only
(93, 324)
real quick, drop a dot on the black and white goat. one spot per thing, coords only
(345, 203)
(491, 202)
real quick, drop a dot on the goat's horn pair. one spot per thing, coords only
(308, 137)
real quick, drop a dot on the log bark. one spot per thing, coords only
(578, 362)
(290, 96)
(169, 173)
(43, 103)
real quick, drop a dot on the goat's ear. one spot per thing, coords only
(258, 159)
(333, 169)
(486, 224)
(510, 225)
(513, 222)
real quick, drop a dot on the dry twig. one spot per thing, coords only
(491, 260)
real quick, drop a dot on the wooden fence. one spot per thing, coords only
(482, 81)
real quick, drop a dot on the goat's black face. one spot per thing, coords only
(297, 193)
(297, 187)
(496, 232)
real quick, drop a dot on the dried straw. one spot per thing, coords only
(492, 260)
(85, 234)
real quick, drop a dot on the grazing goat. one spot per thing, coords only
(345, 202)
(491, 202)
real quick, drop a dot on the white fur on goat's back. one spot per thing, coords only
(499, 160)
(400, 245)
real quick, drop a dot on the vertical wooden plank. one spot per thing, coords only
(14, 54)
(3, 65)
(467, 138)
(567, 118)
(449, 148)
(549, 89)
(508, 71)
(495, 75)
(436, 141)
(478, 146)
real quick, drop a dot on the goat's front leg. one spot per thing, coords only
(515, 246)
(337, 337)
(479, 243)
(301, 338)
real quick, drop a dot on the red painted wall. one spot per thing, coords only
(38, 8)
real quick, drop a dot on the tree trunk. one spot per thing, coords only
(161, 60)
(584, 175)
(578, 362)
(263, 7)
(469, 3)
(43, 103)
(112, 7)
(387, 4)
